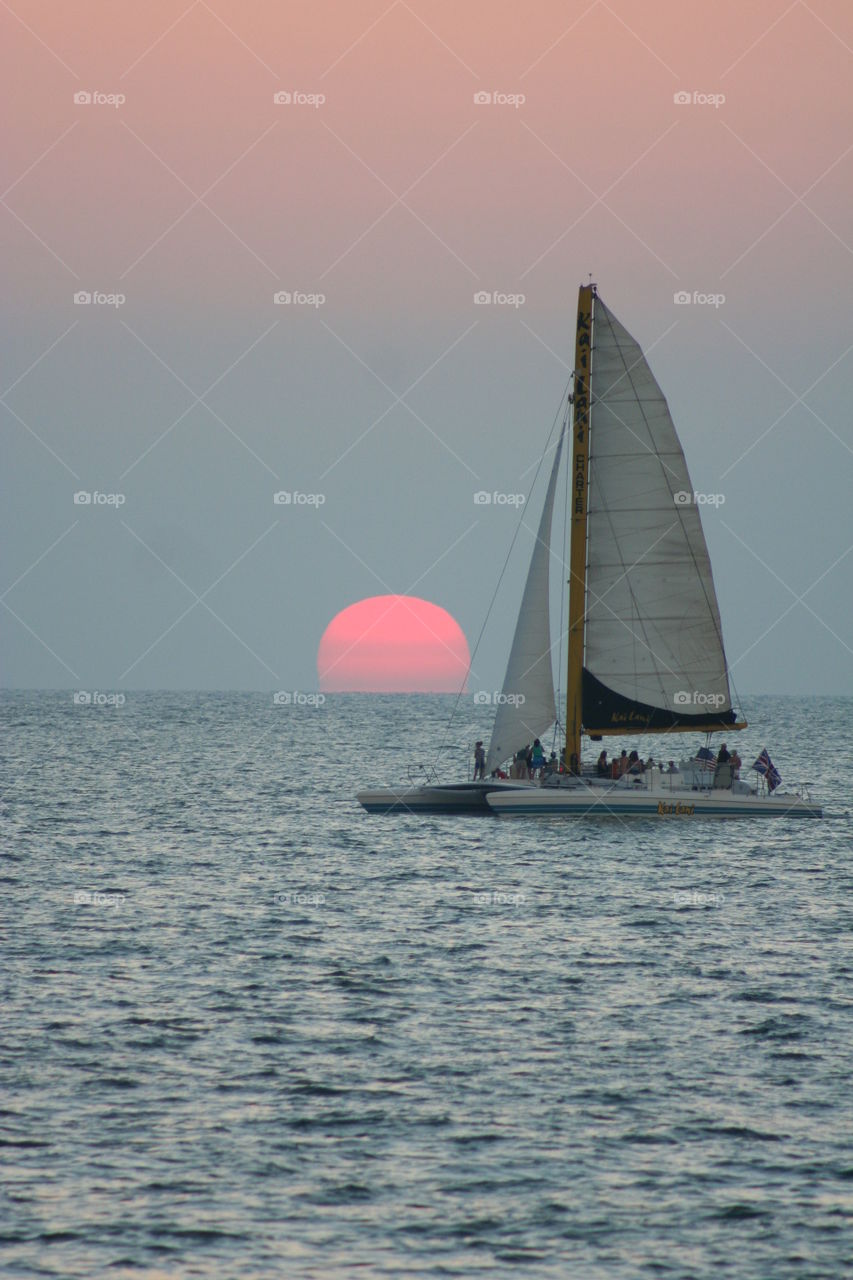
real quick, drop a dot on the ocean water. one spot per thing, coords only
(249, 1030)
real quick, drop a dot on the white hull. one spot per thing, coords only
(581, 800)
(459, 797)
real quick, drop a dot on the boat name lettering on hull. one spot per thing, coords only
(666, 808)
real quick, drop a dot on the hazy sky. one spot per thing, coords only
(383, 187)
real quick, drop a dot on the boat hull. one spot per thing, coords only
(583, 802)
(462, 797)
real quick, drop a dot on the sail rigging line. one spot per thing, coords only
(513, 540)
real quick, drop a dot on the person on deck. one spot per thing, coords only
(603, 768)
(479, 761)
(619, 766)
(723, 755)
(736, 762)
(537, 759)
(635, 764)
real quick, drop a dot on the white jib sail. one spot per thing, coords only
(652, 624)
(526, 702)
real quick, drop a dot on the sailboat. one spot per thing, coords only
(645, 644)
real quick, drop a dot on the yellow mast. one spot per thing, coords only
(577, 553)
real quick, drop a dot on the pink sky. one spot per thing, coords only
(396, 200)
(399, 82)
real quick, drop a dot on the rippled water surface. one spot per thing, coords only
(249, 1030)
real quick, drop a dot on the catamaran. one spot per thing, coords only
(645, 650)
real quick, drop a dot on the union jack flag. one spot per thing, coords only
(765, 766)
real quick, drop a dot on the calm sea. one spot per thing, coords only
(248, 1030)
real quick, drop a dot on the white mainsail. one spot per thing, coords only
(526, 703)
(653, 632)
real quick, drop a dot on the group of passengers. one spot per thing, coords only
(625, 763)
(530, 762)
(632, 764)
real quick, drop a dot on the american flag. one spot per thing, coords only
(706, 758)
(765, 766)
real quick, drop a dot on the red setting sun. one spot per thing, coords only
(393, 644)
